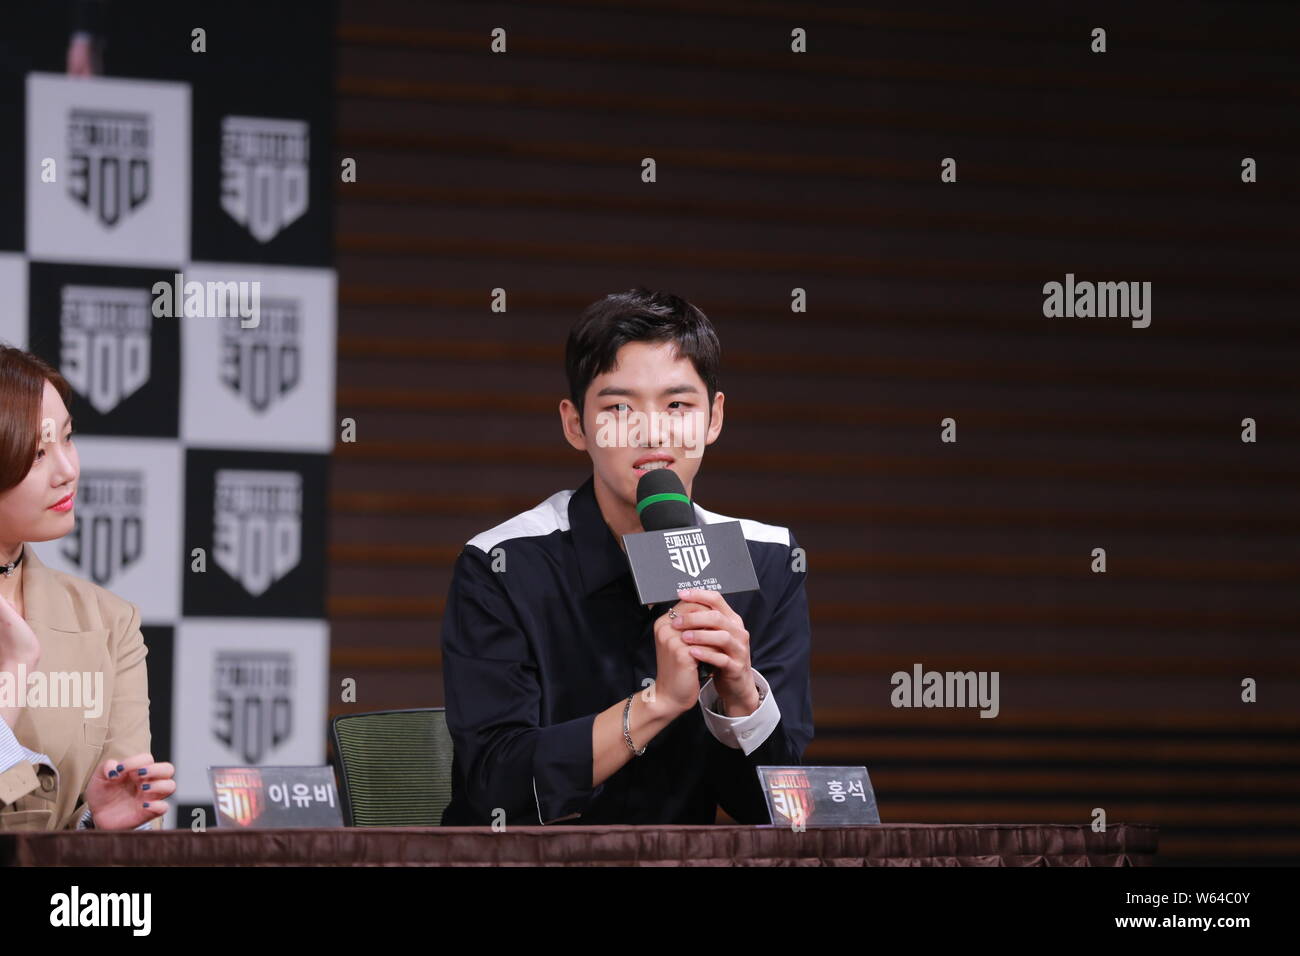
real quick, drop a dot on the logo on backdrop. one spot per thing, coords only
(262, 364)
(253, 700)
(104, 333)
(687, 551)
(107, 536)
(109, 154)
(257, 526)
(264, 172)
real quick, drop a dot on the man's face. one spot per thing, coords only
(25, 512)
(651, 405)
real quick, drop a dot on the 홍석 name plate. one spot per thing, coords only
(818, 796)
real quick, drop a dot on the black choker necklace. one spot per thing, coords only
(8, 569)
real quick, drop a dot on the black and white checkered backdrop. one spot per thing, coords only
(166, 242)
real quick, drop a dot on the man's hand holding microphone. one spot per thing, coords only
(702, 628)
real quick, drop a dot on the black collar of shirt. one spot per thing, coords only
(601, 561)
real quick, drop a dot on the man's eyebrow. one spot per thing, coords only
(681, 388)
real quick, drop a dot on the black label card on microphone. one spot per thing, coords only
(712, 556)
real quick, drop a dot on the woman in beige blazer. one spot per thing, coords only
(74, 699)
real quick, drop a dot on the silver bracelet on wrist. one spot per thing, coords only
(627, 730)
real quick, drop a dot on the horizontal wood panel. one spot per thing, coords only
(1185, 228)
(433, 303)
(490, 507)
(820, 171)
(840, 562)
(431, 452)
(809, 265)
(986, 420)
(407, 350)
(401, 657)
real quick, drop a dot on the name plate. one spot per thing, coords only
(275, 797)
(818, 796)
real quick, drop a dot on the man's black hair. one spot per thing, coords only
(639, 315)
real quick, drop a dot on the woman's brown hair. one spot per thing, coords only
(22, 387)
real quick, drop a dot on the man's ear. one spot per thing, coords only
(715, 419)
(571, 425)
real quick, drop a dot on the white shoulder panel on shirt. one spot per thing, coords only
(752, 530)
(547, 517)
(552, 515)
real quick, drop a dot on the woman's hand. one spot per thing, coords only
(19, 647)
(124, 794)
(18, 643)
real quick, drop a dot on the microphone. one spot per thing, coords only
(662, 505)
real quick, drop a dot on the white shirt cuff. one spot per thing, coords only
(13, 753)
(743, 733)
(86, 820)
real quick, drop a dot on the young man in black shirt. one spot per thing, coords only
(547, 653)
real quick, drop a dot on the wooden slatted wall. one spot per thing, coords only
(821, 171)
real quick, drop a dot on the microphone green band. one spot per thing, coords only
(665, 496)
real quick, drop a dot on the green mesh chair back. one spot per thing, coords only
(394, 766)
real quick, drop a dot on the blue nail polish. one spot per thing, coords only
(146, 804)
(144, 770)
(121, 767)
(112, 773)
(144, 787)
